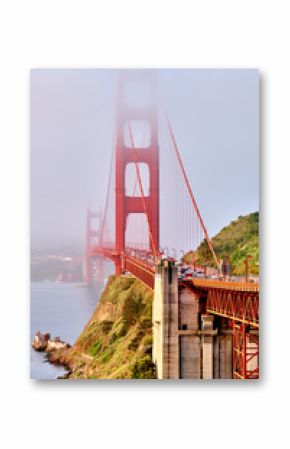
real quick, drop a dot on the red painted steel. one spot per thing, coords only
(124, 155)
(237, 302)
(177, 152)
(144, 205)
(140, 269)
(103, 221)
(239, 306)
(245, 352)
(226, 285)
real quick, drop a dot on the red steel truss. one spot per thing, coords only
(245, 352)
(242, 309)
(238, 306)
(239, 303)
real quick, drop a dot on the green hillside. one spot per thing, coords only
(237, 240)
(117, 341)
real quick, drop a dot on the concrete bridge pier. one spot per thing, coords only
(165, 321)
(187, 343)
(207, 344)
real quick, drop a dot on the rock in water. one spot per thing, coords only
(40, 341)
(43, 342)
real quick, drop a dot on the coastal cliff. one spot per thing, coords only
(117, 341)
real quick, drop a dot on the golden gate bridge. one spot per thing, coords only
(150, 208)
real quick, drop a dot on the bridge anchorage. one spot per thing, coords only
(203, 328)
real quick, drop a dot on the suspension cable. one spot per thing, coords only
(190, 191)
(142, 192)
(136, 180)
(107, 198)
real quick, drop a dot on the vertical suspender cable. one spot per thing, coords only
(142, 192)
(190, 192)
(107, 199)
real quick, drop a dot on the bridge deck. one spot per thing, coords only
(237, 301)
(224, 285)
(136, 266)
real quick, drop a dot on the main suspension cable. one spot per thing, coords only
(107, 198)
(190, 191)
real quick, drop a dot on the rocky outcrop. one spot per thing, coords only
(117, 341)
(40, 341)
(43, 342)
(56, 343)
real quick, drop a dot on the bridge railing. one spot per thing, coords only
(141, 270)
(237, 286)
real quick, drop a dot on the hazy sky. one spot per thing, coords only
(215, 116)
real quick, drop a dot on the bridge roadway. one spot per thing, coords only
(237, 301)
(138, 267)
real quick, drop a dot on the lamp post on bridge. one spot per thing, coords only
(247, 267)
(226, 267)
(194, 262)
(165, 251)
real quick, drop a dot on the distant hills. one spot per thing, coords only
(236, 241)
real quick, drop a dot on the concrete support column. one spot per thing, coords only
(157, 318)
(216, 357)
(207, 346)
(165, 321)
(226, 354)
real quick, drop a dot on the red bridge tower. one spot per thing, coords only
(126, 154)
(93, 265)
